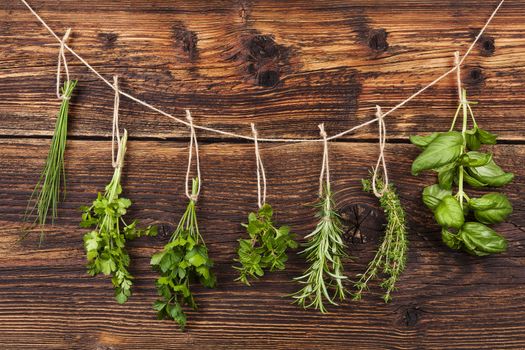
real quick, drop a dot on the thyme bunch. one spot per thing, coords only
(47, 191)
(391, 256)
(324, 250)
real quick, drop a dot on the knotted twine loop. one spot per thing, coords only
(62, 59)
(193, 143)
(325, 167)
(116, 160)
(381, 158)
(261, 199)
(457, 62)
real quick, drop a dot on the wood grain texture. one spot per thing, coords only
(286, 66)
(445, 298)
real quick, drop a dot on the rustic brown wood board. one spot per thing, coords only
(314, 61)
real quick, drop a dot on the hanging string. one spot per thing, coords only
(115, 134)
(381, 158)
(458, 74)
(261, 199)
(193, 143)
(325, 168)
(227, 133)
(62, 60)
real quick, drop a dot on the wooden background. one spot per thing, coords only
(287, 66)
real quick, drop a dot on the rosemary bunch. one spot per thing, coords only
(391, 256)
(53, 176)
(183, 260)
(324, 251)
(106, 244)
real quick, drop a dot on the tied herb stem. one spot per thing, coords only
(390, 258)
(183, 260)
(456, 158)
(324, 251)
(106, 244)
(52, 181)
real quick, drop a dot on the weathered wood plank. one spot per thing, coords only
(446, 299)
(328, 62)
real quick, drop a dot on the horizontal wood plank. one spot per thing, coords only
(445, 298)
(285, 67)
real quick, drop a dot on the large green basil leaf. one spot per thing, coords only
(432, 195)
(475, 159)
(446, 175)
(491, 208)
(472, 181)
(452, 240)
(444, 149)
(486, 137)
(423, 141)
(481, 240)
(449, 213)
(491, 174)
(473, 141)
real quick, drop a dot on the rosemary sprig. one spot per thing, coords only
(183, 260)
(324, 251)
(391, 256)
(48, 188)
(106, 244)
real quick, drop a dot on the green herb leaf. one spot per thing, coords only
(423, 141)
(452, 240)
(444, 149)
(449, 213)
(481, 240)
(475, 159)
(432, 195)
(491, 174)
(492, 208)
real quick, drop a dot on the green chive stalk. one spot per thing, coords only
(52, 181)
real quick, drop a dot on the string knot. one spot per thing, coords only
(116, 160)
(193, 143)
(325, 168)
(381, 159)
(62, 60)
(261, 198)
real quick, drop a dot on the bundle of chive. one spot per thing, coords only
(51, 183)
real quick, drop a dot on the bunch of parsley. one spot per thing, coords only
(106, 244)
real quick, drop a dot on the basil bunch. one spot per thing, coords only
(456, 158)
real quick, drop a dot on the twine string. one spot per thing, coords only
(228, 133)
(115, 134)
(325, 169)
(458, 74)
(193, 143)
(261, 198)
(381, 158)
(62, 60)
